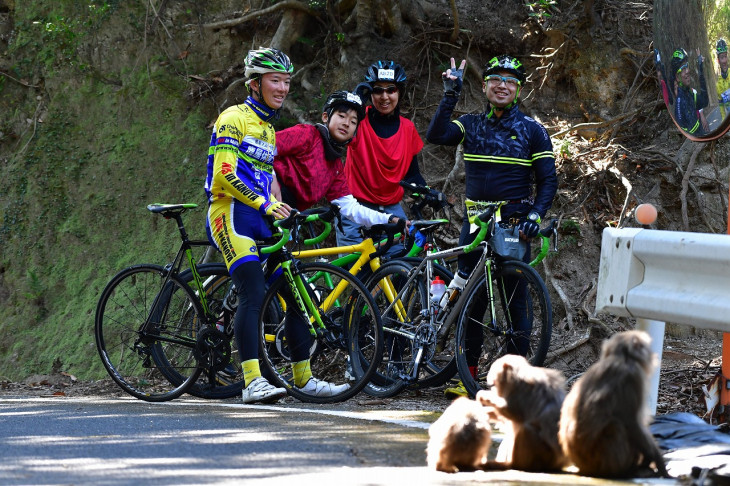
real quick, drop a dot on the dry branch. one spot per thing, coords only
(290, 4)
(18, 81)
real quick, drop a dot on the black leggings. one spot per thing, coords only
(518, 307)
(251, 286)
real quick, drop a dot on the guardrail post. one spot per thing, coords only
(655, 329)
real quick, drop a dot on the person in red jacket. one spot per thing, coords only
(385, 150)
(308, 164)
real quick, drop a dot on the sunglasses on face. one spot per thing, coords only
(496, 80)
(378, 90)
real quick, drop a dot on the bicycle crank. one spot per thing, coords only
(213, 349)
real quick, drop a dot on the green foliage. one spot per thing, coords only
(540, 9)
(565, 148)
(54, 37)
(72, 204)
(569, 233)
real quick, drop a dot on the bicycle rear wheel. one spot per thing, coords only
(514, 318)
(347, 351)
(146, 343)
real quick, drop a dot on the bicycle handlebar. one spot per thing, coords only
(429, 197)
(295, 219)
(482, 220)
(551, 230)
(390, 230)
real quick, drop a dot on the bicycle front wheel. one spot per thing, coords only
(508, 314)
(410, 354)
(344, 353)
(146, 343)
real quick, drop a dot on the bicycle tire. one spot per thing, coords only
(225, 380)
(408, 334)
(443, 367)
(155, 366)
(348, 351)
(510, 278)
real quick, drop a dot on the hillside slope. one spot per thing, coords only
(108, 107)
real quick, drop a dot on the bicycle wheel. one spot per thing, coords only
(222, 375)
(442, 365)
(518, 322)
(410, 353)
(146, 344)
(346, 351)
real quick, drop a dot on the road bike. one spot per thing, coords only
(154, 333)
(485, 309)
(343, 319)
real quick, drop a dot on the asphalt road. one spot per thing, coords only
(123, 441)
(120, 441)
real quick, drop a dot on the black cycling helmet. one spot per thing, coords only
(505, 63)
(344, 99)
(721, 46)
(386, 71)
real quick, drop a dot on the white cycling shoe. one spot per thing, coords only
(260, 390)
(321, 388)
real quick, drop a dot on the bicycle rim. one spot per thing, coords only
(346, 352)
(156, 365)
(222, 379)
(442, 365)
(519, 323)
(399, 327)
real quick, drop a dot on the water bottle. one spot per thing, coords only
(452, 291)
(438, 287)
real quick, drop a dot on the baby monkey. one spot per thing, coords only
(459, 440)
(527, 399)
(604, 420)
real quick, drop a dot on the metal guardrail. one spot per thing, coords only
(665, 276)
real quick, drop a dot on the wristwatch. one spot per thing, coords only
(534, 217)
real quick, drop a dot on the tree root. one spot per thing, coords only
(290, 4)
(561, 293)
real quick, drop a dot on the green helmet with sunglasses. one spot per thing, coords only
(721, 46)
(680, 60)
(505, 63)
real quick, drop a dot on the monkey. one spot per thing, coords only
(527, 399)
(604, 419)
(460, 439)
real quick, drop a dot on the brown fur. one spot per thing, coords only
(528, 400)
(459, 440)
(604, 422)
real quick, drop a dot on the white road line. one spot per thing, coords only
(352, 415)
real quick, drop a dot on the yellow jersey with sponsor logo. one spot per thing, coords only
(241, 155)
(723, 84)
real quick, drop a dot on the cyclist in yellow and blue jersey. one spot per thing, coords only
(508, 157)
(723, 80)
(238, 186)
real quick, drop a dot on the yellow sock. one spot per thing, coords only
(251, 370)
(302, 372)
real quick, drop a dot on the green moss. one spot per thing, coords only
(72, 205)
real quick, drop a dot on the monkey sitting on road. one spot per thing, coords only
(604, 421)
(528, 400)
(459, 440)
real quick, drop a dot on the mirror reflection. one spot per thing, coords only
(690, 56)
